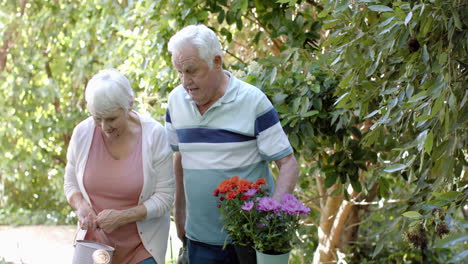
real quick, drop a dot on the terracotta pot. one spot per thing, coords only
(90, 252)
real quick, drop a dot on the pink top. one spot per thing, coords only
(115, 184)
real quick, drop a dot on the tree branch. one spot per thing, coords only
(234, 56)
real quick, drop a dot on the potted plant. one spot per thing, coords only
(232, 194)
(276, 224)
(251, 217)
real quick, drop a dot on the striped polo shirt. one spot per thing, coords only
(237, 136)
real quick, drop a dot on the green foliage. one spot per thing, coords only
(402, 67)
(54, 47)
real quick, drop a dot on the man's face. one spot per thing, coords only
(198, 79)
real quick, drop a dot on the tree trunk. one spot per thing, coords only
(337, 214)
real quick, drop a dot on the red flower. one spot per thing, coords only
(243, 198)
(216, 192)
(221, 198)
(260, 181)
(244, 185)
(232, 194)
(229, 184)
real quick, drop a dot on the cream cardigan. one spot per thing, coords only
(158, 189)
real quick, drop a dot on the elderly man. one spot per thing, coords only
(219, 127)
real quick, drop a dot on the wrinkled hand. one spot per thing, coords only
(86, 217)
(109, 220)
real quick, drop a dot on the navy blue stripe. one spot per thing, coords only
(168, 116)
(207, 135)
(266, 121)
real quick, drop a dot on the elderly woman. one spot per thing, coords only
(119, 175)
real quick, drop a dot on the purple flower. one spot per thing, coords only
(287, 197)
(303, 210)
(250, 192)
(268, 204)
(290, 207)
(248, 206)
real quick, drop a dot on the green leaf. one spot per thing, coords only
(356, 186)
(341, 98)
(330, 23)
(412, 214)
(460, 257)
(330, 179)
(386, 21)
(310, 113)
(273, 75)
(408, 18)
(296, 103)
(457, 20)
(447, 196)
(395, 167)
(421, 139)
(221, 17)
(315, 88)
(425, 54)
(443, 58)
(414, 223)
(378, 247)
(304, 105)
(380, 8)
(453, 239)
(429, 143)
(323, 13)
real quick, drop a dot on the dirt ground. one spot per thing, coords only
(51, 245)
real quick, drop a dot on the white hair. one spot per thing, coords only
(107, 91)
(203, 38)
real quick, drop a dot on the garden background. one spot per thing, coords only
(372, 95)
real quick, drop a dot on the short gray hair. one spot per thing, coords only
(107, 91)
(203, 38)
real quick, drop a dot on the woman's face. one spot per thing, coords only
(113, 124)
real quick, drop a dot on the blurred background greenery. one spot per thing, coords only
(372, 95)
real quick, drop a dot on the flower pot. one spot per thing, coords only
(245, 254)
(263, 258)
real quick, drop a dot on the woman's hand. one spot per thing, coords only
(109, 220)
(86, 216)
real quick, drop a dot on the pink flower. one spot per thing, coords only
(288, 197)
(304, 210)
(290, 207)
(268, 204)
(248, 206)
(250, 192)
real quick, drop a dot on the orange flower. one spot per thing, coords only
(228, 184)
(232, 194)
(260, 181)
(244, 185)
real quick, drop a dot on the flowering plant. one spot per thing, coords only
(251, 216)
(233, 193)
(276, 223)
